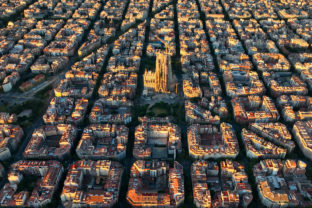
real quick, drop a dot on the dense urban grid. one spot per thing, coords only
(155, 103)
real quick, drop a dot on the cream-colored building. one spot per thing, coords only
(162, 80)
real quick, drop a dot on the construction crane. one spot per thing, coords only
(167, 47)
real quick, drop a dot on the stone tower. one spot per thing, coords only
(162, 80)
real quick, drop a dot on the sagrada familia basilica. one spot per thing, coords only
(162, 80)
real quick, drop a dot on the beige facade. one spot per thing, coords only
(162, 80)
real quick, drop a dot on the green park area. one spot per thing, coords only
(160, 109)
